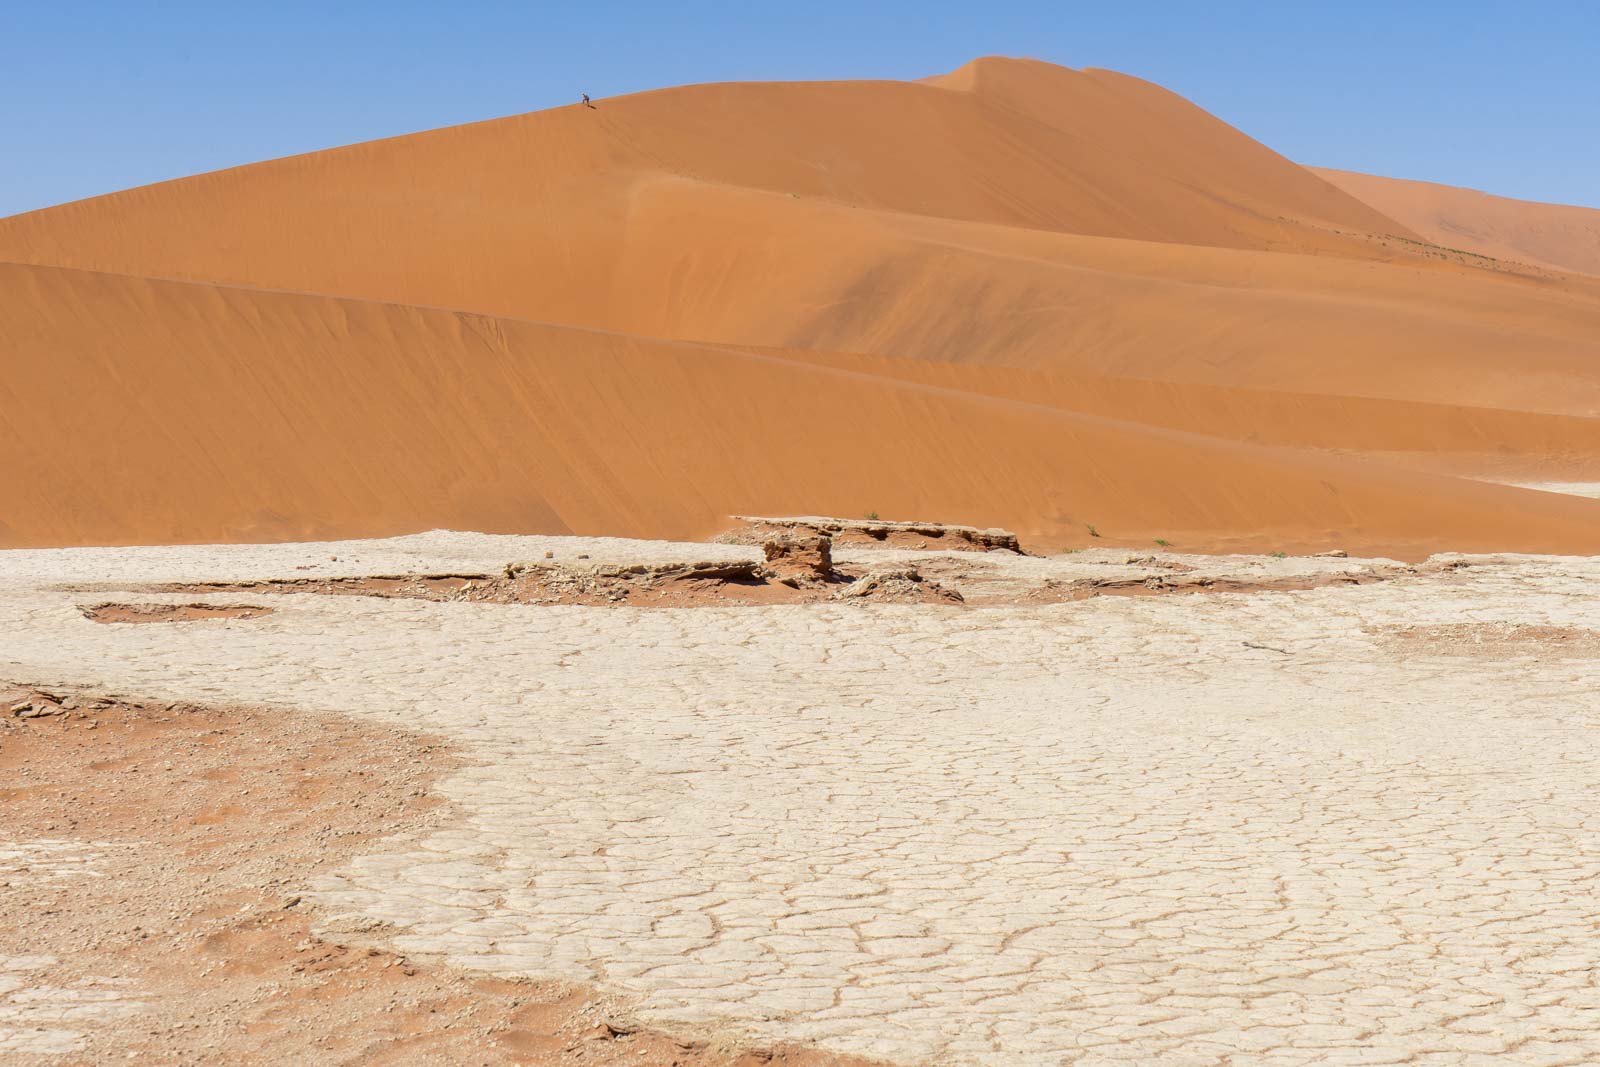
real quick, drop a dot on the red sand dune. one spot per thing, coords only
(1014, 295)
(1558, 236)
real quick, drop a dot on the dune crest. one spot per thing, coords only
(1558, 236)
(1013, 295)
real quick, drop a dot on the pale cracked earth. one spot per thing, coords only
(1086, 833)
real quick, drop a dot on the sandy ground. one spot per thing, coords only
(1557, 236)
(152, 863)
(1343, 823)
(1587, 489)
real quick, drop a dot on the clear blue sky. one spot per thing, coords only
(101, 96)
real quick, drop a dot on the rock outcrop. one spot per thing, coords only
(802, 557)
(931, 535)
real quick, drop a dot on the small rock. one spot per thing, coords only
(806, 557)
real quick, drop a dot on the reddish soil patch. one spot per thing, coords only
(674, 585)
(780, 581)
(1176, 582)
(206, 823)
(691, 586)
(1493, 639)
(172, 612)
(1055, 591)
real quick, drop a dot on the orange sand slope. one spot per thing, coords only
(1015, 295)
(1558, 236)
(546, 194)
(212, 411)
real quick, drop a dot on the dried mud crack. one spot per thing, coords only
(1352, 823)
(150, 904)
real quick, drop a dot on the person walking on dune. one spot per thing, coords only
(586, 101)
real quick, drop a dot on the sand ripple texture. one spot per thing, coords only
(1086, 833)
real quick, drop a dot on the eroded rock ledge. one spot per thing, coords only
(877, 532)
(796, 569)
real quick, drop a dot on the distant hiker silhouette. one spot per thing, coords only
(586, 102)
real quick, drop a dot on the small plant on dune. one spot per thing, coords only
(1093, 532)
(1279, 555)
(871, 516)
(1163, 542)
